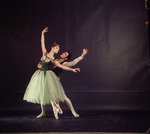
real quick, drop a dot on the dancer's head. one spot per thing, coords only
(55, 48)
(66, 56)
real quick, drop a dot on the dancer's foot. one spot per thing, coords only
(56, 113)
(60, 111)
(76, 115)
(41, 115)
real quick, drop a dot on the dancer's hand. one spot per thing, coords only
(84, 52)
(45, 30)
(39, 65)
(76, 70)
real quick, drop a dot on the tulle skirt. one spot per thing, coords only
(43, 88)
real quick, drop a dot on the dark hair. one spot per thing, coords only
(55, 44)
(69, 55)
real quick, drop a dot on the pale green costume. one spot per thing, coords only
(44, 85)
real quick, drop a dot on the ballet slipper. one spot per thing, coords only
(56, 113)
(76, 115)
(41, 115)
(60, 111)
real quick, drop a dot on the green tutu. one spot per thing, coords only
(44, 87)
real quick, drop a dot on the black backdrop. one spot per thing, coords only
(114, 74)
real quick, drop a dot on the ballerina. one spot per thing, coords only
(44, 86)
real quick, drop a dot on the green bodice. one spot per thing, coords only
(47, 65)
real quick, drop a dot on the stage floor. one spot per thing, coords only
(91, 121)
(79, 133)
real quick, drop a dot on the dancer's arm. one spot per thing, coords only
(84, 52)
(65, 67)
(74, 62)
(43, 40)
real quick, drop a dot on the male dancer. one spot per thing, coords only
(63, 58)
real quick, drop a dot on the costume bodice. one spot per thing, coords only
(47, 63)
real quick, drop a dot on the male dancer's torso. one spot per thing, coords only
(58, 70)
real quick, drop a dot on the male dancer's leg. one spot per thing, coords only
(69, 104)
(57, 109)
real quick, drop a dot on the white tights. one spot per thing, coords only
(69, 104)
(57, 109)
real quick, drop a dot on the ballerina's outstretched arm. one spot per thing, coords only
(66, 68)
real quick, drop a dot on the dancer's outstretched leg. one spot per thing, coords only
(69, 104)
(43, 113)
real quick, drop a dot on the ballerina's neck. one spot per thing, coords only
(51, 55)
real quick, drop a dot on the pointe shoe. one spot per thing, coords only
(60, 111)
(56, 113)
(41, 115)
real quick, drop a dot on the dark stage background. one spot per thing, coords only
(114, 74)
